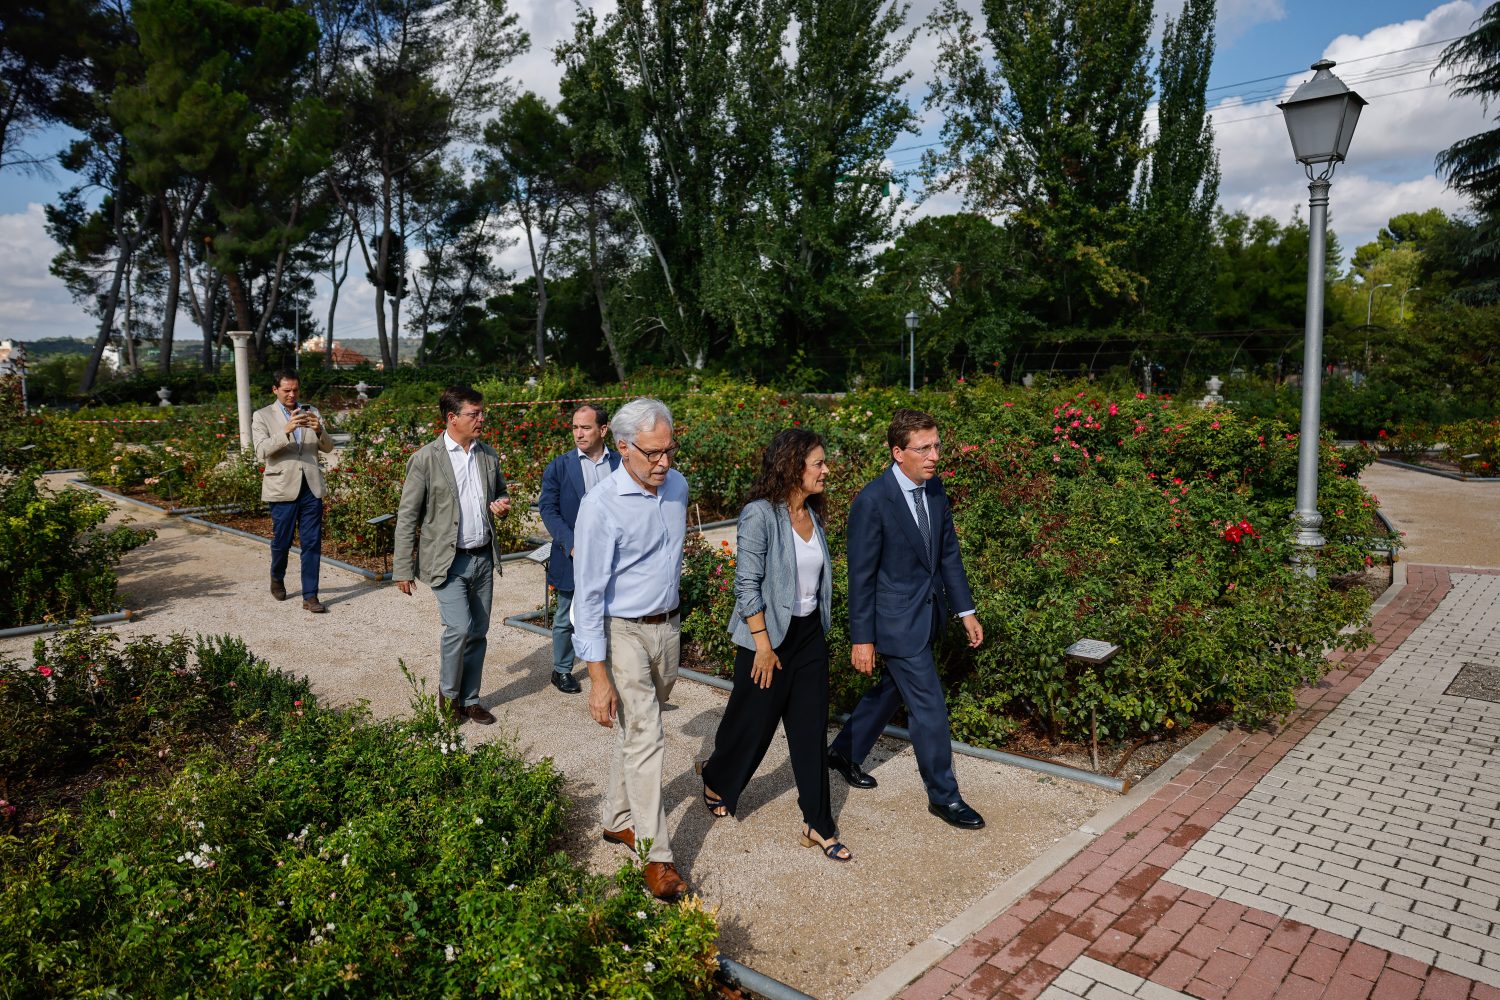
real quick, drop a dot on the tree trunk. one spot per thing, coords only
(337, 281)
(124, 249)
(598, 278)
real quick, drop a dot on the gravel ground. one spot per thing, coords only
(823, 927)
(1446, 522)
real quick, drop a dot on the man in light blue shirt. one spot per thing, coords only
(627, 562)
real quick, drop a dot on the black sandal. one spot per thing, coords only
(710, 802)
(833, 851)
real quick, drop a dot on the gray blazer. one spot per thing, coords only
(429, 508)
(765, 572)
(287, 462)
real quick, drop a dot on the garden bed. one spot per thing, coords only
(1438, 467)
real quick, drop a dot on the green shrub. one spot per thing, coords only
(56, 560)
(275, 847)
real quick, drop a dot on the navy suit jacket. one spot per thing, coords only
(895, 582)
(562, 489)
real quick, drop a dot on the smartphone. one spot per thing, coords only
(304, 408)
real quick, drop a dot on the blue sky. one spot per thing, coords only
(1384, 47)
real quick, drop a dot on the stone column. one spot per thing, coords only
(242, 382)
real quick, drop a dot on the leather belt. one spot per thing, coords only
(656, 619)
(477, 550)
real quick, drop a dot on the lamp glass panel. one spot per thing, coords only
(1314, 127)
(1351, 112)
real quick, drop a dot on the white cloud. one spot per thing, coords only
(1409, 120)
(32, 302)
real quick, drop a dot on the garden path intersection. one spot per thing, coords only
(1354, 852)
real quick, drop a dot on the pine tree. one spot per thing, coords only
(1472, 165)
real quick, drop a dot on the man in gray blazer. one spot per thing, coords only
(288, 437)
(453, 486)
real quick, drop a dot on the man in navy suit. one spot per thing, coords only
(567, 478)
(905, 574)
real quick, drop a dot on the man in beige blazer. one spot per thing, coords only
(453, 487)
(288, 438)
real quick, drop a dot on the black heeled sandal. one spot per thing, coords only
(710, 802)
(833, 850)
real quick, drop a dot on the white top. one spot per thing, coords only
(809, 571)
(473, 525)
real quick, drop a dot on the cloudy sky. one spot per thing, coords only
(1386, 50)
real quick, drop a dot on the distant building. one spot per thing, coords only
(343, 357)
(12, 357)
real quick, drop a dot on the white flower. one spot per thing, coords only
(450, 952)
(649, 967)
(328, 927)
(640, 914)
(478, 821)
(625, 946)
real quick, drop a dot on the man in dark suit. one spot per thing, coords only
(567, 478)
(905, 575)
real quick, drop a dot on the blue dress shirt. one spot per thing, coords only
(627, 555)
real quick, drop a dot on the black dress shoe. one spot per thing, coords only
(850, 770)
(957, 814)
(278, 590)
(566, 683)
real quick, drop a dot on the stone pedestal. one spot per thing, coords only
(242, 382)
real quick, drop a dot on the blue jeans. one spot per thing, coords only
(562, 634)
(305, 514)
(464, 607)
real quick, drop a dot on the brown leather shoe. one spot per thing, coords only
(478, 713)
(625, 837)
(451, 710)
(664, 882)
(314, 605)
(278, 590)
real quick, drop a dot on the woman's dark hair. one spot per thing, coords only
(781, 468)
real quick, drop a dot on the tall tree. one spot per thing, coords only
(1179, 192)
(44, 56)
(1042, 124)
(429, 74)
(1472, 165)
(528, 166)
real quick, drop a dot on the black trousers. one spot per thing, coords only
(797, 698)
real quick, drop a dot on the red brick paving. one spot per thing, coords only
(1109, 902)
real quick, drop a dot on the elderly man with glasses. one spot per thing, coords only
(627, 561)
(453, 487)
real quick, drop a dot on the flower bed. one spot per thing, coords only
(57, 561)
(181, 820)
(1469, 449)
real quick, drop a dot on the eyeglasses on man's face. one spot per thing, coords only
(656, 455)
(470, 414)
(926, 449)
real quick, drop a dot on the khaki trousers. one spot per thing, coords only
(642, 665)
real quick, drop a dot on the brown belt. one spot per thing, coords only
(656, 619)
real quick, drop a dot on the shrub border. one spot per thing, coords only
(350, 567)
(1459, 476)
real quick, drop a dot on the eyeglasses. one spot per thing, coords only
(471, 414)
(926, 449)
(656, 456)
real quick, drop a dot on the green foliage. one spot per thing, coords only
(56, 560)
(278, 847)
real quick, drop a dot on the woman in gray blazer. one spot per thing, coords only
(783, 591)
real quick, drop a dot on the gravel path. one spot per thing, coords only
(1447, 522)
(822, 927)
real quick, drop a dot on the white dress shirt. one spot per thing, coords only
(473, 525)
(627, 555)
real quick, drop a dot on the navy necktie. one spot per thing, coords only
(922, 525)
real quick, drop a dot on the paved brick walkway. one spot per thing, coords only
(1353, 853)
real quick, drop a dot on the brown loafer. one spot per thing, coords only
(278, 590)
(664, 882)
(625, 837)
(478, 713)
(314, 605)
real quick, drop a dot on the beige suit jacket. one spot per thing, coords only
(429, 506)
(288, 464)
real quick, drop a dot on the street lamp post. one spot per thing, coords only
(1370, 305)
(1369, 314)
(1320, 119)
(1404, 294)
(912, 321)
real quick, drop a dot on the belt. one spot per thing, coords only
(656, 619)
(477, 550)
